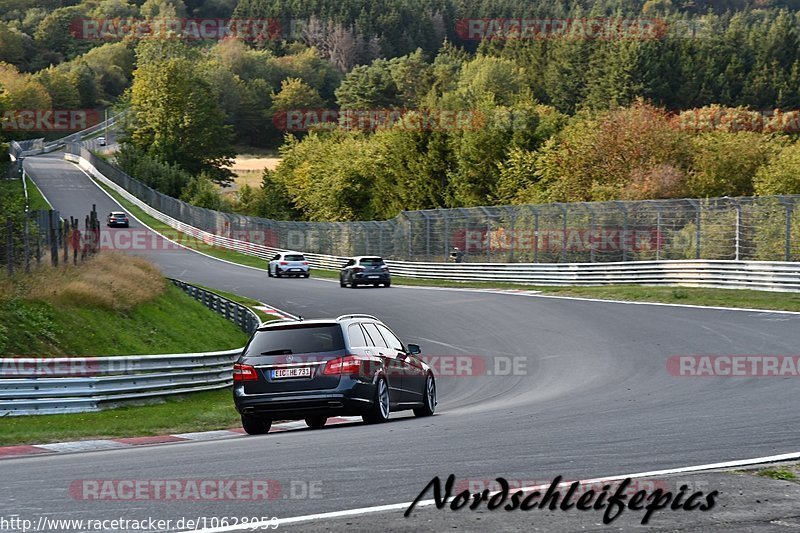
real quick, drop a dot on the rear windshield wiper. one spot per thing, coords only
(277, 352)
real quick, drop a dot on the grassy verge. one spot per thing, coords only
(110, 305)
(202, 411)
(777, 301)
(790, 472)
(9, 188)
(243, 300)
(35, 198)
(184, 239)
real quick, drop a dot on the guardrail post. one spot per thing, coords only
(592, 244)
(787, 241)
(738, 207)
(624, 237)
(658, 231)
(563, 233)
(697, 209)
(535, 234)
(427, 235)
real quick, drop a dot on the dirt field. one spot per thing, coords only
(248, 170)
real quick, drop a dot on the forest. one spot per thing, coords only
(420, 113)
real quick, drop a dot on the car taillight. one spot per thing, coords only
(284, 263)
(305, 262)
(359, 269)
(244, 372)
(348, 364)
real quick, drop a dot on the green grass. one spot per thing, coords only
(754, 299)
(202, 411)
(35, 198)
(10, 187)
(243, 300)
(778, 301)
(172, 323)
(781, 474)
(14, 188)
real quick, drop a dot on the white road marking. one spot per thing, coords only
(427, 503)
(717, 308)
(82, 445)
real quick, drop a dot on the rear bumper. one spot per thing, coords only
(343, 402)
(367, 279)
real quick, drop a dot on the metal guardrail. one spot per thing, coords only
(765, 275)
(81, 384)
(237, 313)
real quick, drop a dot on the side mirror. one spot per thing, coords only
(414, 349)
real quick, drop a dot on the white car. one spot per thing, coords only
(101, 141)
(288, 264)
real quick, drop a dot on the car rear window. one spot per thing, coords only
(372, 261)
(296, 339)
(295, 258)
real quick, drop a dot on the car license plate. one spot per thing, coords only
(296, 372)
(373, 277)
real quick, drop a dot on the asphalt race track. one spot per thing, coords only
(591, 396)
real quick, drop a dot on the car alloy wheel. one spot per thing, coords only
(429, 405)
(379, 411)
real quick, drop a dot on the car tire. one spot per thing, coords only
(269, 272)
(278, 273)
(387, 284)
(429, 398)
(316, 422)
(307, 275)
(342, 283)
(255, 425)
(379, 410)
(353, 285)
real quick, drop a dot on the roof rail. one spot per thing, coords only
(357, 315)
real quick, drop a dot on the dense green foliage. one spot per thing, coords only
(553, 118)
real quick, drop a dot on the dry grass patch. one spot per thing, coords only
(107, 281)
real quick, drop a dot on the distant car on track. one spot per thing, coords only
(313, 369)
(101, 141)
(365, 270)
(288, 264)
(117, 219)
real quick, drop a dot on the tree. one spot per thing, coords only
(781, 175)
(177, 120)
(724, 164)
(597, 157)
(21, 91)
(12, 49)
(369, 87)
(296, 94)
(61, 88)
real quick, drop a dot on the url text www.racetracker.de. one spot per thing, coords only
(611, 499)
(15, 523)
